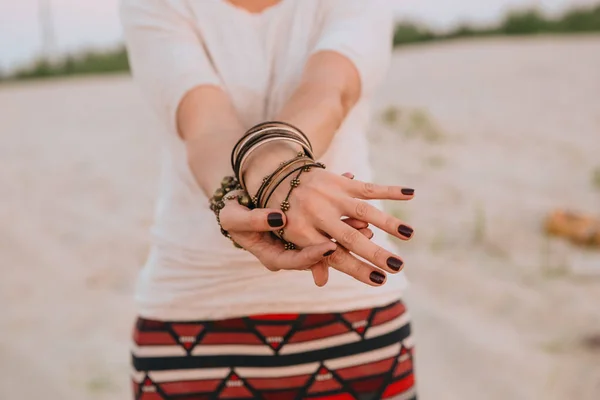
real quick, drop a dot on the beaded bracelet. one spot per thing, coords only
(269, 180)
(225, 193)
(285, 204)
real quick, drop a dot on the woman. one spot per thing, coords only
(218, 322)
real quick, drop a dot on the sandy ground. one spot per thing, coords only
(492, 134)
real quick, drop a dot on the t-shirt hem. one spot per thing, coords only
(178, 313)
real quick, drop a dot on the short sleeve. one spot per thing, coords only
(361, 31)
(166, 54)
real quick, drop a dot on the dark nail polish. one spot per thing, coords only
(408, 192)
(275, 220)
(377, 277)
(405, 231)
(330, 252)
(394, 263)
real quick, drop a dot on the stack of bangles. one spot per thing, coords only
(234, 187)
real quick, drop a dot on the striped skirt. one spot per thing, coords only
(359, 355)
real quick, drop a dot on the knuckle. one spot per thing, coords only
(355, 269)
(391, 223)
(308, 259)
(368, 189)
(256, 220)
(361, 210)
(379, 254)
(338, 257)
(349, 237)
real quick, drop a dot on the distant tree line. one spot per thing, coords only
(524, 22)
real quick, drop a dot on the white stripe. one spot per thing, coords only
(364, 358)
(137, 376)
(403, 357)
(232, 349)
(409, 342)
(277, 372)
(157, 351)
(387, 327)
(319, 344)
(188, 374)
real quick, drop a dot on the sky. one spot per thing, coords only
(80, 24)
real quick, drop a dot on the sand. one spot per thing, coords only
(492, 134)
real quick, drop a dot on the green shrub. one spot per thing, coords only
(92, 62)
(523, 22)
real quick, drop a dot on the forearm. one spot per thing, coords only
(318, 112)
(329, 88)
(208, 124)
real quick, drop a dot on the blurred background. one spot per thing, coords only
(491, 111)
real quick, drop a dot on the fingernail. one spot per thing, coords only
(330, 252)
(408, 192)
(372, 234)
(405, 231)
(275, 220)
(351, 176)
(394, 263)
(377, 277)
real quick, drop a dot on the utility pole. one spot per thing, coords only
(47, 30)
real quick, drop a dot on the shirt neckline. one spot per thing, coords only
(244, 11)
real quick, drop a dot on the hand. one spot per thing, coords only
(250, 229)
(316, 208)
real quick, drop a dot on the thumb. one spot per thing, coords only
(237, 218)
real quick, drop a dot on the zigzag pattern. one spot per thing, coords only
(364, 355)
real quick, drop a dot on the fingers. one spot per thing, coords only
(355, 223)
(355, 242)
(274, 257)
(345, 262)
(320, 272)
(366, 212)
(367, 233)
(235, 217)
(368, 191)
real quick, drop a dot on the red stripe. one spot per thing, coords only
(356, 316)
(342, 396)
(188, 329)
(367, 385)
(280, 395)
(274, 317)
(399, 387)
(235, 392)
(153, 338)
(273, 330)
(388, 314)
(324, 386)
(403, 367)
(184, 387)
(278, 383)
(317, 320)
(365, 370)
(151, 396)
(319, 333)
(230, 338)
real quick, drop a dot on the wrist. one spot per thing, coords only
(265, 160)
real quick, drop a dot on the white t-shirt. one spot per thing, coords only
(193, 272)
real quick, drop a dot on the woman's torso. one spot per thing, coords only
(192, 271)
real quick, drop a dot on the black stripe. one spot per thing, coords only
(193, 362)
